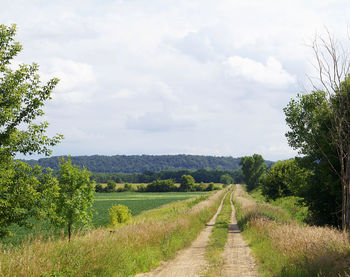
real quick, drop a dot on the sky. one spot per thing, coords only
(172, 77)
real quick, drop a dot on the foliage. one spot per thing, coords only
(226, 179)
(210, 187)
(110, 186)
(187, 183)
(119, 214)
(201, 175)
(145, 163)
(285, 178)
(21, 99)
(253, 168)
(161, 186)
(76, 196)
(25, 192)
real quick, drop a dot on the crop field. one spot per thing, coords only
(136, 202)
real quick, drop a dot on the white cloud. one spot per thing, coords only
(199, 76)
(270, 74)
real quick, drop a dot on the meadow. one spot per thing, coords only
(284, 246)
(152, 236)
(136, 202)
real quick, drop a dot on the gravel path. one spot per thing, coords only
(237, 257)
(190, 261)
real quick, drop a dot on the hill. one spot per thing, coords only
(142, 163)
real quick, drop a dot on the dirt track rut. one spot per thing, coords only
(238, 260)
(190, 261)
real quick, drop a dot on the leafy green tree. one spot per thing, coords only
(21, 100)
(76, 196)
(226, 179)
(24, 191)
(253, 169)
(320, 121)
(285, 178)
(110, 186)
(187, 183)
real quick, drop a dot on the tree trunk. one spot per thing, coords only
(69, 231)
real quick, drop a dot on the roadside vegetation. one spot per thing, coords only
(218, 239)
(150, 237)
(283, 246)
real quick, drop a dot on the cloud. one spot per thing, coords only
(271, 74)
(158, 122)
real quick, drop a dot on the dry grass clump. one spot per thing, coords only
(284, 247)
(151, 237)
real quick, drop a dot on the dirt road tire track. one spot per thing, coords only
(190, 261)
(238, 262)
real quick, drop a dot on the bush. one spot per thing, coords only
(141, 188)
(128, 187)
(161, 186)
(200, 187)
(99, 188)
(210, 187)
(187, 183)
(110, 186)
(119, 214)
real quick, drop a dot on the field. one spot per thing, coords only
(137, 202)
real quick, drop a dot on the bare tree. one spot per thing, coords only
(333, 67)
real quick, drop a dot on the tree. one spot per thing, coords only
(21, 100)
(285, 178)
(253, 168)
(110, 186)
(24, 191)
(76, 195)
(226, 179)
(187, 183)
(320, 120)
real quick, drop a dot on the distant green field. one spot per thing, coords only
(137, 202)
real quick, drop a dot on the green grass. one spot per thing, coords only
(153, 236)
(218, 239)
(136, 202)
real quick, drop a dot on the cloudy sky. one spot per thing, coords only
(168, 77)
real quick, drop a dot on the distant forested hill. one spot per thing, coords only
(142, 163)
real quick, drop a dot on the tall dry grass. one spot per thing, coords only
(284, 247)
(153, 236)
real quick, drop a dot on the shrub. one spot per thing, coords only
(210, 187)
(110, 186)
(161, 186)
(128, 187)
(119, 214)
(99, 188)
(200, 187)
(187, 183)
(141, 188)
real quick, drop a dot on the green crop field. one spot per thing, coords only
(137, 202)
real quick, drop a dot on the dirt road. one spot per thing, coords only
(190, 261)
(237, 257)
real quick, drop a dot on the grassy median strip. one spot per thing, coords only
(153, 236)
(285, 247)
(218, 239)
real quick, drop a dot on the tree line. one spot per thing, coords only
(143, 163)
(200, 175)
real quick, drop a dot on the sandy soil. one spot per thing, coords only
(237, 257)
(190, 261)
